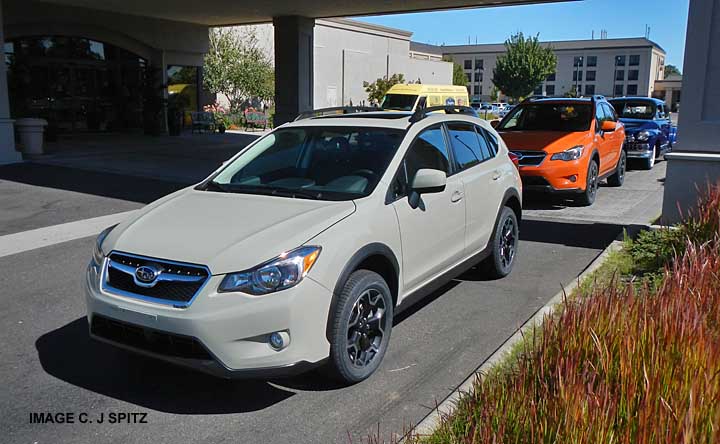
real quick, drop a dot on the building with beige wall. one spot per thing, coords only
(611, 67)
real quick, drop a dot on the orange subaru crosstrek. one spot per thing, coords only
(566, 145)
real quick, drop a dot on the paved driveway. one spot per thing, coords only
(50, 365)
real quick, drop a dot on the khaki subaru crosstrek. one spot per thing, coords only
(298, 251)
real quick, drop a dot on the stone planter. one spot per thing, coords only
(31, 131)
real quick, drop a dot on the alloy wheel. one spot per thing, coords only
(366, 328)
(593, 182)
(508, 242)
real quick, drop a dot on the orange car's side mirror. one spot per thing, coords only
(494, 123)
(608, 126)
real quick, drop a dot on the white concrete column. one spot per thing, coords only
(294, 37)
(7, 134)
(695, 160)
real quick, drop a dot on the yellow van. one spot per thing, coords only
(416, 95)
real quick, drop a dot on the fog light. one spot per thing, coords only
(573, 178)
(279, 340)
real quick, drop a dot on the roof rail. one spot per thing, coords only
(421, 113)
(598, 97)
(335, 110)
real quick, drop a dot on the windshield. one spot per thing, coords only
(328, 163)
(567, 117)
(398, 102)
(635, 110)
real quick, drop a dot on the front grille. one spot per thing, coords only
(147, 339)
(177, 284)
(529, 158)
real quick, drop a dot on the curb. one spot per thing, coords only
(431, 421)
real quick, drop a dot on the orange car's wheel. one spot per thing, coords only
(593, 180)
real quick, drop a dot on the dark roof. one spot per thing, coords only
(558, 45)
(426, 48)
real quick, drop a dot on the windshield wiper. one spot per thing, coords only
(214, 186)
(289, 192)
(267, 190)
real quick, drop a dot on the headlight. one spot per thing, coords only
(285, 271)
(573, 153)
(643, 135)
(98, 254)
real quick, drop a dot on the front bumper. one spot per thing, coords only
(223, 334)
(639, 150)
(555, 176)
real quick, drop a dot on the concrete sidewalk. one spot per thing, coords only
(187, 158)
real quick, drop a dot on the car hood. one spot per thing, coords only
(549, 141)
(635, 125)
(226, 231)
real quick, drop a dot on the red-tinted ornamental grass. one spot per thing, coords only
(620, 364)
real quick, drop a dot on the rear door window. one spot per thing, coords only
(465, 145)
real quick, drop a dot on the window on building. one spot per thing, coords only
(632, 90)
(468, 64)
(620, 75)
(577, 76)
(634, 60)
(469, 76)
(550, 78)
(590, 76)
(619, 90)
(477, 90)
(538, 91)
(620, 60)
(578, 61)
(478, 76)
(589, 90)
(592, 61)
(550, 90)
(633, 74)
(479, 64)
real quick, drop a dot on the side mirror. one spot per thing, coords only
(494, 123)
(608, 126)
(429, 181)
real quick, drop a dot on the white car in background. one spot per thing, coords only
(300, 249)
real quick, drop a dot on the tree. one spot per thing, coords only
(524, 66)
(236, 66)
(671, 70)
(458, 77)
(377, 89)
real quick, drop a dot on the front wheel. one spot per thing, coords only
(504, 245)
(649, 163)
(360, 327)
(587, 197)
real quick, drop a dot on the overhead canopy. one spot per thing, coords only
(234, 12)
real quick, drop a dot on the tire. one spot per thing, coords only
(587, 197)
(504, 246)
(618, 178)
(649, 163)
(358, 344)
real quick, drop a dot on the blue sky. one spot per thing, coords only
(555, 21)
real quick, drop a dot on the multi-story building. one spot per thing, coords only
(611, 67)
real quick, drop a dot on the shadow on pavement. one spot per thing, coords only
(116, 186)
(593, 235)
(69, 354)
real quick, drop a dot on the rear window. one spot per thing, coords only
(399, 102)
(567, 117)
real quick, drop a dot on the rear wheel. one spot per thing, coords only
(618, 178)
(360, 328)
(591, 186)
(504, 246)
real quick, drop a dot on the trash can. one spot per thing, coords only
(31, 132)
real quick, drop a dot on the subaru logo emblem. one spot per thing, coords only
(147, 274)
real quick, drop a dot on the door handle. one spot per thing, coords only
(496, 175)
(456, 196)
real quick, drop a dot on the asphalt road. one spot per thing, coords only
(50, 365)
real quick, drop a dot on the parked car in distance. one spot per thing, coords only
(503, 112)
(410, 97)
(299, 250)
(649, 130)
(566, 145)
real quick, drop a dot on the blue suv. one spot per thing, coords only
(649, 131)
